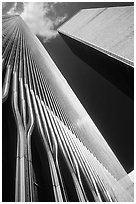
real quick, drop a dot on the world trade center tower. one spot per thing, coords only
(52, 150)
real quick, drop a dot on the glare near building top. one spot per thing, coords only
(110, 30)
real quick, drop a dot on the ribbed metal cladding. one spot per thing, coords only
(40, 112)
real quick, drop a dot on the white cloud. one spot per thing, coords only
(12, 11)
(36, 15)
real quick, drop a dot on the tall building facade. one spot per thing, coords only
(52, 150)
(104, 37)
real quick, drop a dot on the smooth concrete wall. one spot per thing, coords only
(110, 30)
(89, 133)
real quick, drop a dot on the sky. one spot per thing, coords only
(110, 109)
(45, 17)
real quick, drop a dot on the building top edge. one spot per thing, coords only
(110, 54)
(106, 7)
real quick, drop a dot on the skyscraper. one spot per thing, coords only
(104, 37)
(52, 150)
